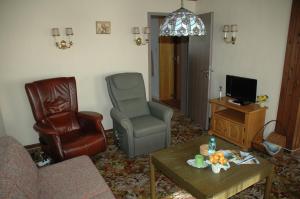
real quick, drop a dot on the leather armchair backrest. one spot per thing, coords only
(127, 93)
(54, 101)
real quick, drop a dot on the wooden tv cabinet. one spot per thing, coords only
(234, 123)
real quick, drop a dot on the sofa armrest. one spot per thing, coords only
(160, 111)
(90, 121)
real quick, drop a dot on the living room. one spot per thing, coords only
(28, 51)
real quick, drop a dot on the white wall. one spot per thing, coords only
(28, 53)
(260, 48)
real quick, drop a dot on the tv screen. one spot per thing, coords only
(242, 89)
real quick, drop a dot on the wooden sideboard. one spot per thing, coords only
(234, 123)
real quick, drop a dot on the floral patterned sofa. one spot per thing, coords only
(76, 178)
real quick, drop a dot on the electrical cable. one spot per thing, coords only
(263, 128)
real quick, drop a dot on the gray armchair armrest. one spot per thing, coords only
(123, 127)
(160, 111)
(121, 119)
(164, 113)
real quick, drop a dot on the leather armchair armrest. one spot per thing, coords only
(90, 121)
(122, 120)
(160, 111)
(44, 129)
(50, 138)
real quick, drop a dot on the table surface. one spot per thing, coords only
(203, 183)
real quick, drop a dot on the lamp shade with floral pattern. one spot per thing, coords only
(182, 22)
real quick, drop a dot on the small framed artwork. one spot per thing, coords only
(103, 27)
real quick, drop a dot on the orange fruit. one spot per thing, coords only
(222, 161)
(220, 154)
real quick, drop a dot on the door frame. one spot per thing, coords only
(149, 15)
(210, 68)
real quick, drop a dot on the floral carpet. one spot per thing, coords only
(129, 178)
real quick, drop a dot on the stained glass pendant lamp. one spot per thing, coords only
(182, 22)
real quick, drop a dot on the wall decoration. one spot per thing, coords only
(103, 27)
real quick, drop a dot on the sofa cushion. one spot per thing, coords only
(76, 178)
(18, 173)
(147, 125)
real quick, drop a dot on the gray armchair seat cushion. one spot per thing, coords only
(147, 125)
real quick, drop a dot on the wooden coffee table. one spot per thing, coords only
(203, 183)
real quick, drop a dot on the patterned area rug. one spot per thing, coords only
(129, 178)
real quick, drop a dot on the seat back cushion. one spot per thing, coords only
(18, 173)
(127, 93)
(54, 101)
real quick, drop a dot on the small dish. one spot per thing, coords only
(191, 162)
(225, 166)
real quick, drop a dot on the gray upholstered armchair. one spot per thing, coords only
(140, 126)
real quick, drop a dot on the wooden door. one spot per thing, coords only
(287, 115)
(235, 132)
(220, 126)
(166, 68)
(199, 55)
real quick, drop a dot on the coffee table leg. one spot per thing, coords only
(268, 186)
(152, 179)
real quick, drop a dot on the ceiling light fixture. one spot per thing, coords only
(182, 22)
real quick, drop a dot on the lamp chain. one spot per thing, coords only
(182, 3)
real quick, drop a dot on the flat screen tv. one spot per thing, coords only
(241, 89)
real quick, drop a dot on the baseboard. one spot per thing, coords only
(38, 145)
(32, 146)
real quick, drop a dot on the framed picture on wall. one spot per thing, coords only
(103, 27)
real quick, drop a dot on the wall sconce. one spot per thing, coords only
(141, 40)
(63, 44)
(230, 28)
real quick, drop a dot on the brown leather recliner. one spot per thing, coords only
(63, 131)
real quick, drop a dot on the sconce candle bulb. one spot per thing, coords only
(55, 32)
(230, 28)
(69, 31)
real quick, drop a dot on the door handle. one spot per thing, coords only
(207, 72)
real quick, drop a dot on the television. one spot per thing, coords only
(241, 89)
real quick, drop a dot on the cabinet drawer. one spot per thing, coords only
(236, 132)
(220, 126)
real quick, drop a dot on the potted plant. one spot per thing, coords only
(261, 99)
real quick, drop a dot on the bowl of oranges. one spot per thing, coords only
(218, 162)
